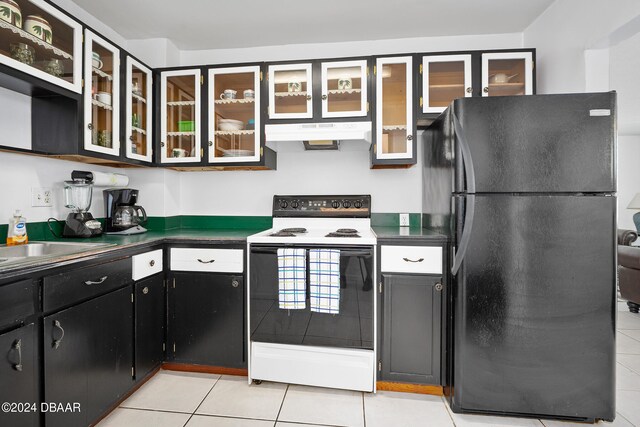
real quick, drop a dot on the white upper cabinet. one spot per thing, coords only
(394, 108)
(344, 89)
(234, 115)
(290, 91)
(101, 95)
(38, 39)
(138, 117)
(180, 140)
(444, 78)
(507, 73)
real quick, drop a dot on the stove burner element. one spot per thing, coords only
(293, 230)
(339, 234)
(282, 234)
(347, 231)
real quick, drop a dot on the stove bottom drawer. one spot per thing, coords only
(349, 369)
(207, 260)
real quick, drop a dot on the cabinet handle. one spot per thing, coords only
(17, 348)
(409, 137)
(206, 262)
(469, 90)
(308, 97)
(210, 144)
(485, 90)
(413, 260)
(56, 342)
(235, 283)
(97, 282)
(152, 263)
(438, 287)
(162, 144)
(90, 126)
(131, 138)
(145, 290)
(324, 97)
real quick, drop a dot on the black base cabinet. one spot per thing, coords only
(88, 357)
(411, 322)
(18, 377)
(206, 319)
(149, 324)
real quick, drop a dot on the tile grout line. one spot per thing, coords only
(364, 411)
(202, 401)
(286, 390)
(618, 414)
(446, 408)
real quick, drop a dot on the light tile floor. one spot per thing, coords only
(178, 399)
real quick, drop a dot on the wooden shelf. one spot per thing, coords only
(394, 127)
(234, 101)
(447, 87)
(102, 74)
(138, 98)
(343, 91)
(288, 94)
(139, 130)
(14, 34)
(181, 103)
(101, 105)
(181, 134)
(506, 88)
(234, 132)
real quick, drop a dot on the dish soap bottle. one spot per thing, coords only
(17, 233)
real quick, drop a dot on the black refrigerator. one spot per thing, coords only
(526, 186)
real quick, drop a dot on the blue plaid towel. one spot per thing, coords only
(292, 278)
(324, 280)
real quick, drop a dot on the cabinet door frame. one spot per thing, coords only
(131, 62)
(196, 72)
(428, 59)
(325, 66)
(380, 62)
(528, 69)
(76, 85)
(90, 38)
(213, 72)
(307, 67)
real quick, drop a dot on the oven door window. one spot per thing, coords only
(351, 328)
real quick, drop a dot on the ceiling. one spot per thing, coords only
(221, 24)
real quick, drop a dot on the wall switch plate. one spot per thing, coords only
(41, 197)
(404, 220)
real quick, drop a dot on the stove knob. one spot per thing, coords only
(346, 204)
(357, 204)
(283, 204)
(295, 204)
(335, 204)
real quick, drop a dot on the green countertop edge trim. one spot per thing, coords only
(40, 230)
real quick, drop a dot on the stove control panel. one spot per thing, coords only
(322, 206)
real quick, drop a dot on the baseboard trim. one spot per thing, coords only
(204, 369)
(434, 390)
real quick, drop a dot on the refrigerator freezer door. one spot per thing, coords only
(534, 307)
(539, 143)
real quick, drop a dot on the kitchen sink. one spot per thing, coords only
(36, 250)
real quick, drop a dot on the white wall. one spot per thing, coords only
(628, 177)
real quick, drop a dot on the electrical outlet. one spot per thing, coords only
(404, 220)
(41, 197)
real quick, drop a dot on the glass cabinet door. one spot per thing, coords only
(101, 95)
(290, 91)
(180, 116)
(234, 114)
(138, 136)
(394, 119)
(38, 39)
(344, 89)
(505, 74)
(444, 78)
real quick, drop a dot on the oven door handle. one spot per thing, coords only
(343, 252)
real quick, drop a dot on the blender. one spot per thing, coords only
(80, 222)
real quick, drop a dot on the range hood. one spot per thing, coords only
(324, 134)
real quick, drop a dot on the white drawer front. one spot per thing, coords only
(411, 259)
(147, 264)
(213, 260)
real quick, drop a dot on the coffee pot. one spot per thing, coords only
(123, 216)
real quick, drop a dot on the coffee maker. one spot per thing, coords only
(80, 222)
(123, 216)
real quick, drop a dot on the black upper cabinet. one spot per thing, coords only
(318, 90)
(149, 324)
(206, 319)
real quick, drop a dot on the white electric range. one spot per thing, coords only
(301, 346)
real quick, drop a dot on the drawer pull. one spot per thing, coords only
(235, 283)
(413, 260)
(56, 342)
(145, 290)
(152, 263)
(206, 262)
(438, 286)
(16, 348)
(97, 282)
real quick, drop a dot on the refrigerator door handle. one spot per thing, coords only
(466, 155)
(466, 234)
